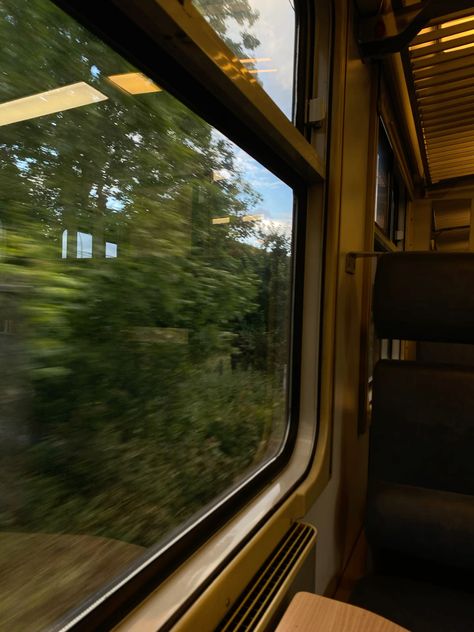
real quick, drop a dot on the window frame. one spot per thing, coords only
(381, 240)
(253, 121)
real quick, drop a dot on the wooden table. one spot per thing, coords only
(313, 613)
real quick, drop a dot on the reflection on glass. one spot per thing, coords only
(64, 244)
(262, 35)
(84, 245)
(400, 209)
(134, 83)
(143, 343)
(382, 193)
(49, 102)
(110, 250)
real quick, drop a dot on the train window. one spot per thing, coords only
(390, 217)
(261, 33)
(147, 271)
(110, 250)
(390, 194)
(382, 192)
(84, 245)
(399, 210)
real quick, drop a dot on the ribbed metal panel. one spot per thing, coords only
(256, 605)
(442, 67)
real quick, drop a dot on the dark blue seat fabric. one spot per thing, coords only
(422, 430)
(420, 606)
(425, 296)
(426, 525)
(420, 507)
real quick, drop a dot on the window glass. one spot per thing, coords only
(262, 35)
(400, 195)
(145, 292)
(391, 193)
(84, 245)
(382, 194)
(110, 250)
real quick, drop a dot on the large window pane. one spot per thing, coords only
(384, 171)
(144, 310)
(262, 35)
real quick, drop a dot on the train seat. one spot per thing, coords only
(420, 509)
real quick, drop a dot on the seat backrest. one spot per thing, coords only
(425, 296)
(421, 463)
(423, 426)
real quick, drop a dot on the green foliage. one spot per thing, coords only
(157, 474)
(219, 14)
(153, 380)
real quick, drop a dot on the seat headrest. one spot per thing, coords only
(425, 296)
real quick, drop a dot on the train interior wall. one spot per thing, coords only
(338, 512)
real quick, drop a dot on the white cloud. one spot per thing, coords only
(275, 29)
(276, 226)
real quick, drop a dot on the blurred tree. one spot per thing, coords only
(134, 422)
(223, 13)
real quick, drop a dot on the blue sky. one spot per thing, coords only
(275, 31)
(277, 197)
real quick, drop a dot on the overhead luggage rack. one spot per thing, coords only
(441, 65)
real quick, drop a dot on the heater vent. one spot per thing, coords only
(257, 604)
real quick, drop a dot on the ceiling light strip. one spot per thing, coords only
(441, 46)
(453, 173)
(469, 164)
(134, 83)
(254, 60)
(466, 61)
(459, 84)
(443, 78)
(459, 123)
(445, 115)
(442, 155)
(443, 31)
(50, 102)
(441, 58)
(439, 103)
(443, 145)
(451, 134)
